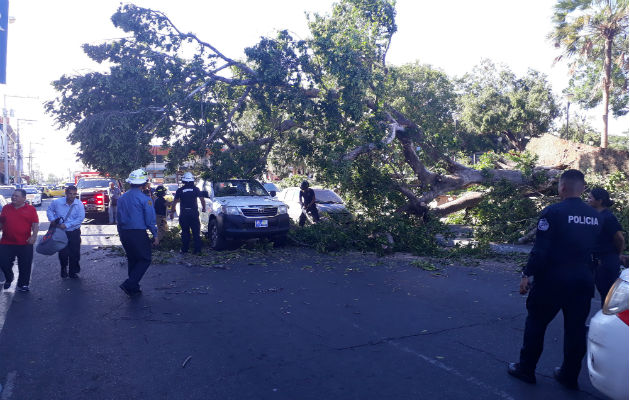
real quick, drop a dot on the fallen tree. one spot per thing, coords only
(382, 133)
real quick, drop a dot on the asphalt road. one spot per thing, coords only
(285, 324)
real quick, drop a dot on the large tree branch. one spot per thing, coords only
(467, 200)
(190, 35)
(368, 147)
(425, 176)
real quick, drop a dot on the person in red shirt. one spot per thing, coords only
(19, 225)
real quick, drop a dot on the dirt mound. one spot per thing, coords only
(553, 151)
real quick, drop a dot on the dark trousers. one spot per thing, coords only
(314, 213)
(542, 307)
(606, 273)
(24, 254)
(137, 245)
(71, 254)
(189, 222)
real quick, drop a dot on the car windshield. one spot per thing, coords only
(94, 183)
(7, 192)
(31, 191)
(239, 188)
(172, 187)
(326, 196)
(271, 187)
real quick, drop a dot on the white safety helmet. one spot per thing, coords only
(188, 177)
(138, 177)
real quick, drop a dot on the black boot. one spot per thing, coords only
(516, 371)
(568, 383)
(64, 271)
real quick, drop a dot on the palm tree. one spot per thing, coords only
(593, 32)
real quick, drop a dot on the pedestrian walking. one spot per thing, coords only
(558, 276)
(609, 251)
(160, 211)
(307, 201)
(71, 212)
(187, 196)
(135, 215)
(113, 193)
(19, 224)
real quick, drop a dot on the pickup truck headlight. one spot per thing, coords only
(282, 209)
(230, 210)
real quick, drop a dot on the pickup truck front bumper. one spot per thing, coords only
(240, 227)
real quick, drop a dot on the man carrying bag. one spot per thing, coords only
(67, 213)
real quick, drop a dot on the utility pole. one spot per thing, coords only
(5, 140)
(30, 160)
(19, 159)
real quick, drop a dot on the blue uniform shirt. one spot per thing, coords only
(565, 240)
(59, 208)
(610, 226)
(135, 211)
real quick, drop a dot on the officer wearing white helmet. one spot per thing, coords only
(187, 196)
(135, 215)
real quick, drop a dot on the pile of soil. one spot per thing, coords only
(553, 151)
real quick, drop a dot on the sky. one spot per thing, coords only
(45, 41)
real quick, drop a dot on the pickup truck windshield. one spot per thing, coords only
(94, 183)
(239, 188)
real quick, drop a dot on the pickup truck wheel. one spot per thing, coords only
(216, 238)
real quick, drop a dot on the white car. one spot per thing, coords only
(607, 355)
(328, 203)
(33, 196)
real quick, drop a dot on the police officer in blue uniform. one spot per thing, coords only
(135, 215)
(610, 246)
(187, 196)
(559, 274)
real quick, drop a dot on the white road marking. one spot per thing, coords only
(6, 298)
(452, 371)
(9, 384)
(444, 367)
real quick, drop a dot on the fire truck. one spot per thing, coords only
(92, 191)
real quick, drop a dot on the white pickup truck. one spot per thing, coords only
(241, 209)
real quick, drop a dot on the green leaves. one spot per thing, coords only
(498, 103)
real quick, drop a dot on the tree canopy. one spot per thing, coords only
(496, 102)
(383, 133)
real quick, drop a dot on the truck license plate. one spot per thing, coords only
(262, 223)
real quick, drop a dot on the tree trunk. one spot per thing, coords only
(606, 88)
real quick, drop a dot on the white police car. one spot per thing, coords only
(607, 355)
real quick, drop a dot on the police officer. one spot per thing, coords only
(610, 246)
(187, 196)
(135, 215)
(560, 277)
